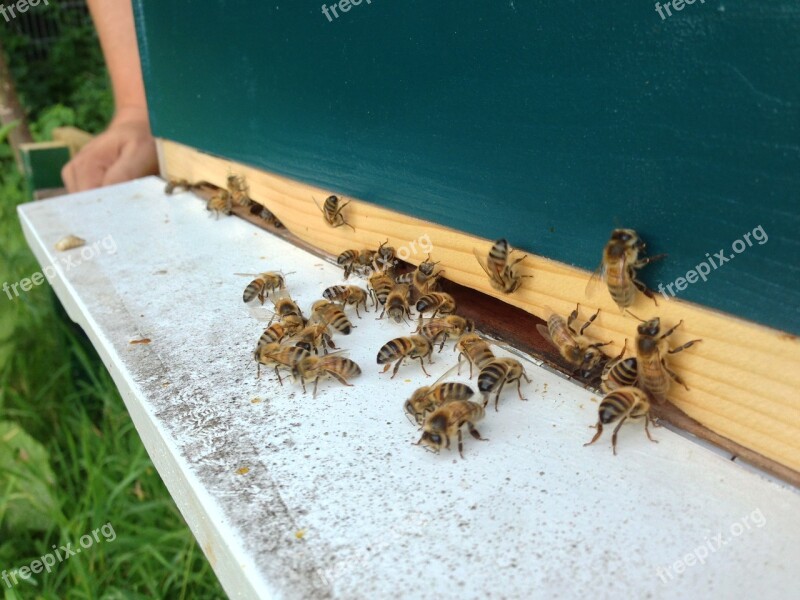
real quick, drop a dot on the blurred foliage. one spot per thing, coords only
(70, 71)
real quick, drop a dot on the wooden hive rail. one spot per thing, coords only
(743, 377)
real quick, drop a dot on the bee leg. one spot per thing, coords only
(396, 366)
(358, 315)
(459, 366)
(589, 322)
(422, 364)
(316, 381)
(340, 379)
(278, 373)
(647, 431)
(614, 435)
(646, 261)
(258, 370)
(460, 443)
(571, 319)
(519, 388)
(525, 375)
(597, 435)
(474, 432)
(684, 347)
(643, 288)
(674, 375)
(669, 332)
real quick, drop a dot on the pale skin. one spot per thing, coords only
(126, 149)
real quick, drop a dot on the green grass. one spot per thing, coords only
(70, 458)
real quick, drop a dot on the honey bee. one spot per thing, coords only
(621, 404)
(312, 368)
(275, 355)
(438, 302)
(385, 255)
(329, 313)
(314, 337)
(347, 295)
(502, 275)
(584, 356)
(497, 373)
(380, 286)
(286, 327)
(619, 265)
(262, 286)
(174, 184)
(264, 213)
(332, 212)
(238, 189)
(447, 421)
(414, 346)
(422, 278)
(396, 305)
(220, 202)
(451, 326)
(350, 260)
(285, 307)
(475, 349)
(430, 397)
(651, 355)
(619, 372)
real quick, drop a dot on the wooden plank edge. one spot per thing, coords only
(757, 413)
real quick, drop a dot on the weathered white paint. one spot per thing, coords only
(530, 513)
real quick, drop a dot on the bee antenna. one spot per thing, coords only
(634, 316)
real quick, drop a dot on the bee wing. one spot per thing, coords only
(546, 334)
(247, 274)
(481, 263)
(443, 376)
(260, 313)
(598, 275)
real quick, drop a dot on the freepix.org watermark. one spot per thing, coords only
(676, 5)
(68, 260)
(60, 554)
(12, 10)
(341, 6)
(702, 270)
(711, 545)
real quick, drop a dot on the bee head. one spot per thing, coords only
(432, 440)
(592, 359)
(650, 328)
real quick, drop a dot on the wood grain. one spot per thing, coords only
(742, 377)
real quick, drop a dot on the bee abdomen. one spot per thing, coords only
(456, 391)
(490, 375)
(499, 252)
(392, 350)
(252, 290)
(335, 292)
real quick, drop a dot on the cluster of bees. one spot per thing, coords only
(631, 384)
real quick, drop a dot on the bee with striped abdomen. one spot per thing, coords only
(398, 349)
(275, 355)
(327, 312)
(380, 286)
(313, 337)
(618, 268)
(396, 305)
(264, 213)
(312, 368)
(285, 307)
(578, 351)
(451, 326)
(475, 349)
(652, 349)
(220, 203)
(622, 404)
(348, 295)
(447, 421)
(332, 211)
(619, 372)
(503, 275)
(263, 285)
(428, 398)
(438, 302)
(497, 373)
(286, 327)
(351, 260)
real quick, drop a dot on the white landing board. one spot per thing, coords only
(336, 501)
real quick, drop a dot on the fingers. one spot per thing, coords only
(137, 159)
(87, 169)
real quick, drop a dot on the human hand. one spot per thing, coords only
(124, 151)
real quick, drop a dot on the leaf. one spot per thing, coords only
(27, 502)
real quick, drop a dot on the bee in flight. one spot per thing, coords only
(414, 346)
(621, 261)
(502, 275)
(262, 286)
(496, 373)
(652, 349)
(332, 211)
(313, 368)
(583, 355)
(622, 404)
(447, 421)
